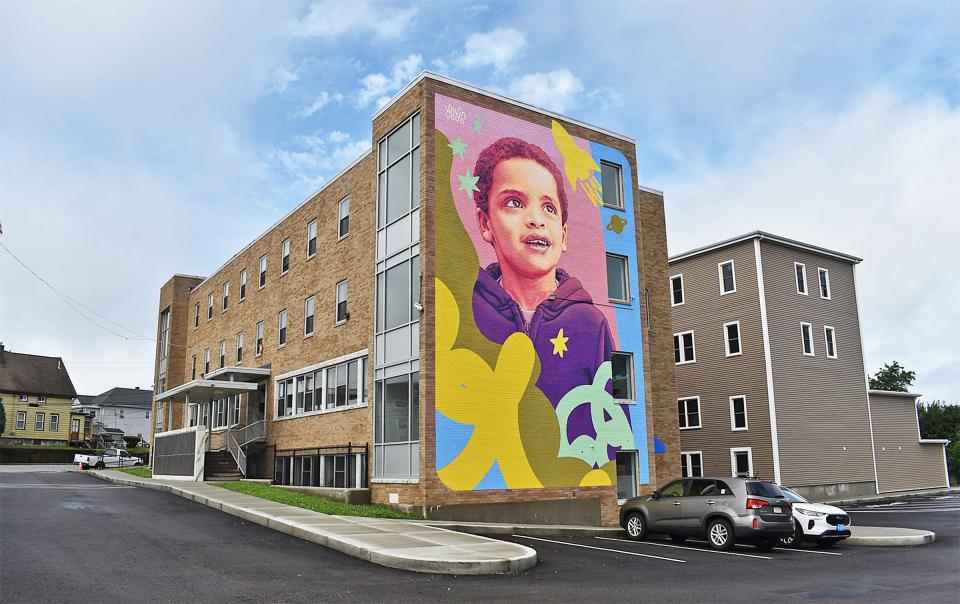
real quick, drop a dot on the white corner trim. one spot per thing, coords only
(866, 383)
(771, 403)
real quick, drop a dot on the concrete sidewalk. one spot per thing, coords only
(399, 544)
(884, 535)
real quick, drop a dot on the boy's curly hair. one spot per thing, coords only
(510, 148)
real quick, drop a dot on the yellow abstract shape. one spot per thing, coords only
(596, 478)
(559, 343)
(579, 165)
(470, 392)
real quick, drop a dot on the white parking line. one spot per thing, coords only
(903, 511)
(55, 486)
(603, 549)
(693, 549)
(807, 551)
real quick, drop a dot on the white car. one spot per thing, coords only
(817, 522)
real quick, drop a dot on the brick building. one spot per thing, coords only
(472, 320)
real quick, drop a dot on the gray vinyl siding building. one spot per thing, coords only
(905, 461)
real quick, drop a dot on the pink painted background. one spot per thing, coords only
(585, 257)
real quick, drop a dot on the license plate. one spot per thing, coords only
(777, 510)
(841, 527)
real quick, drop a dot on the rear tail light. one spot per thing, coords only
(756, 504)
(789, 504)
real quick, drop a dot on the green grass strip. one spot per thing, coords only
(313, 502)
(141, 472)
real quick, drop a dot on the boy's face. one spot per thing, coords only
(523, 221)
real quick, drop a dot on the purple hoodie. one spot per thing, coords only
(498, 316)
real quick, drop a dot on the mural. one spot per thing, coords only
(524, 329)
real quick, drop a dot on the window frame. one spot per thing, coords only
(258, 337)
(23, 398)
(733, 421)
(193, 368)
(309, 316)
(620, 192)
(239, 347)
(693, 346)
(726, 340)
(626, 279)
(39, 421)
(830, 340)
(210, 306)
(206, 361)
(262, 272)
(311, 238)
(346, 297)
(631, 371)
(733, 460)
(226, 296)
(290, 383)
(54, 422)
(823, 279)
(341, 231)
(223, 353)
(686, 412)
(807, 328)
(733, 275)
(243, 286)
(196, 316)
(41, 398)
(683, 293)
(282, 323)
(686, 464)
(21, 423)
(285, 256)
(796, 276)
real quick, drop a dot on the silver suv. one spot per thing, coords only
(722, 509)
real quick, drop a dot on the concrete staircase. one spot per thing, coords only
(220, 466)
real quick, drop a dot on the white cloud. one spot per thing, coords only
(378, 86)
(322, 100)
(283, 77)
(876, 179)
(331, 18)
(555, 90)
(338, 137)
(313, 158)
(497, 48)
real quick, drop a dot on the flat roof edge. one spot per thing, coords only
(895, 393)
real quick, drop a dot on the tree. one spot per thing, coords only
(3, 417)
(893, 377)
(941, 420)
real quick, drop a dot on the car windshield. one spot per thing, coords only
(795, 498)
(764, 489)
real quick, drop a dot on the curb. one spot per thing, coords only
(541, 530)
(470, 563)
(904, 537)
(889, 498)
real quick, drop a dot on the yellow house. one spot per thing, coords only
(37, 394)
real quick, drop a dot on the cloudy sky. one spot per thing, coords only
(138, 140)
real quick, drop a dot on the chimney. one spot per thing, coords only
(1, 351)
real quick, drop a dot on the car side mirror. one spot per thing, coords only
(655, 495)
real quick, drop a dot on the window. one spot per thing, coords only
(308, 308)
(243, 285)
(159, 415)
(282, 333)
(196, 315)
(259, 345)
(284, 256)
(728, 283)
(225, 412)
(263, 270)
(801, 270)
(193, 368)
(674, 489)
(38, 422)
(397, 426)
(691, 464)
(806, 331)
(226, 294)
(23, 398)
(829, 335)
(623, 376)
(398, 290)
(342, 314)
(626, 474)
(239, 347)
(21, 420)
(41, 398)
(343, 224)
(731, 340)
(223, 353)
(330, 387)
(824, 283)
(210, 306)
(689, 411)
(206, 361)
(618, 286)
(611, 181)
(741, 462)
(738, 412)
(55, 422)
(676, 290)
(683, 349)
(312, 238)
(398, 168)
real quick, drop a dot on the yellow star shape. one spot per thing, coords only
(559, 343)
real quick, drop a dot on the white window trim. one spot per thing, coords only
(339, 217)
(746, 420)
(241, 293)
(305, 315)
(280, 316)
(39, 418)
(806, 283)
(289, 245)
(224, 296)
(619, 169)
(686, 413)
(41, 398)
(693, 340)
(196, 318)
(336, 304)
(813, 349)
(687, 465)
(826, 273)
(262, 339)
(726, 340)
(633, 386)
(626, 280)
(222, 350)
(733, 459)
(24, 398)
(683, 292)
(21, 420)
(210, 306)
(826, 341)
(322, 386)
(262, 270)
(55, 425)
(733, 273)
(241, 340)
(307, 245)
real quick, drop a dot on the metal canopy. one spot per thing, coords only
(204, 391)
(239, 374)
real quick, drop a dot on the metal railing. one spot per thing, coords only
(248, 434)
(237, 451)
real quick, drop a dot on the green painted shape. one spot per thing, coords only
(615, 432)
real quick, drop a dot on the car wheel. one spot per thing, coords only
(826, 543)
(794, 539)
(636, 526)
(765, 545)
(138, 464)
(678, 538)
(720, 534)
(99, 466)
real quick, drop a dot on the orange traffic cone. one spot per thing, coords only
(79, 466)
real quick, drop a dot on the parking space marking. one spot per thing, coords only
(807, 551)
(61, 486)
(693, 549)
(603, 549)
(911, 511)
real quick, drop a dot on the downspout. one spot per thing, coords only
(866, 383)
(771, 403)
